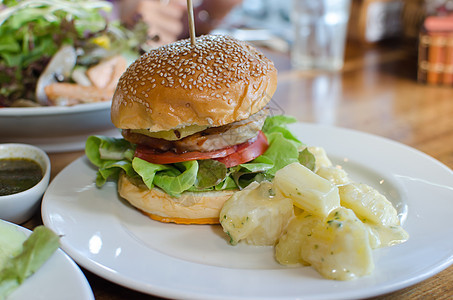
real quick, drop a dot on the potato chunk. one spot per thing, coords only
(289, 246)
(320, 157)
(337, 247)
(255, 215)
(308, 190)
(385, 236)
(368, 204)
(336, 175)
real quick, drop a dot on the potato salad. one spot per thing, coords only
(315, 217)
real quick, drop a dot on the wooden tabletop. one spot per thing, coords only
(376, 92)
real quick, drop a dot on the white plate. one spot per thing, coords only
(110, 238)
(58, 278)
(56, 128)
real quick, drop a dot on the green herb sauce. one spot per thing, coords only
(18, 174)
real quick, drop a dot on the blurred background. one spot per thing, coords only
(33, 31)
(271, 24)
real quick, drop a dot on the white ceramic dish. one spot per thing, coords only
(58, 278)
(110, 238)
(55, 129)
(19, 207)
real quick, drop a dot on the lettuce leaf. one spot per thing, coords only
(111, 170)
(113, 156)
(227, 184)
(99, 149)
(307, 159)
(279, 121)
(148, 170)
(179, 179)
(210, 173)
(36, 250)
(11, 240)
(281, 152)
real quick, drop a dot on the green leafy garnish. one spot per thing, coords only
(307, 159)
(178, 179)
(111, 156)
(210, 173)
(36, 250)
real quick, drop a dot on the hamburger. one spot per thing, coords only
(196, 129)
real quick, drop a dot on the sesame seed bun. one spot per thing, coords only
(218, 81)
(189, 208)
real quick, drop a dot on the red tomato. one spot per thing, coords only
(246, 152)
(169, 157)
(230, 156)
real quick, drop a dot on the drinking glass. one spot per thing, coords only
(320, 30)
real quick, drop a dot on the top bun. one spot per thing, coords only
(217, 81)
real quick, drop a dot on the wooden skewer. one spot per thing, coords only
(191, 21)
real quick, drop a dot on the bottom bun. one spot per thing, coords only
(189, 208)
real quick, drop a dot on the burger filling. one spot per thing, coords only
(209, 139)
(213, 159)
(171, 135)
(232, 144)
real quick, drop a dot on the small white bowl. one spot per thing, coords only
(20, 207)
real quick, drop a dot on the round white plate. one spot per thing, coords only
(56, 128)
(58, 278)
(110, 238)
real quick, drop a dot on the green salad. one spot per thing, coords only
(112, 156)
(32, 31)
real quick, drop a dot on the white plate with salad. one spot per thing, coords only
(113, 240)
(56, 129)
(57, 278)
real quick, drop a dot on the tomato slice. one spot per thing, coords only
(230, 156)
(169, 157)
(246, 152)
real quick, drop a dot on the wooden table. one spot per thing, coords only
(376, 92)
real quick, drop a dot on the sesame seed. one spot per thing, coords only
(214, 63)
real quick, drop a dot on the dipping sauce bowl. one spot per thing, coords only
(19, 207)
